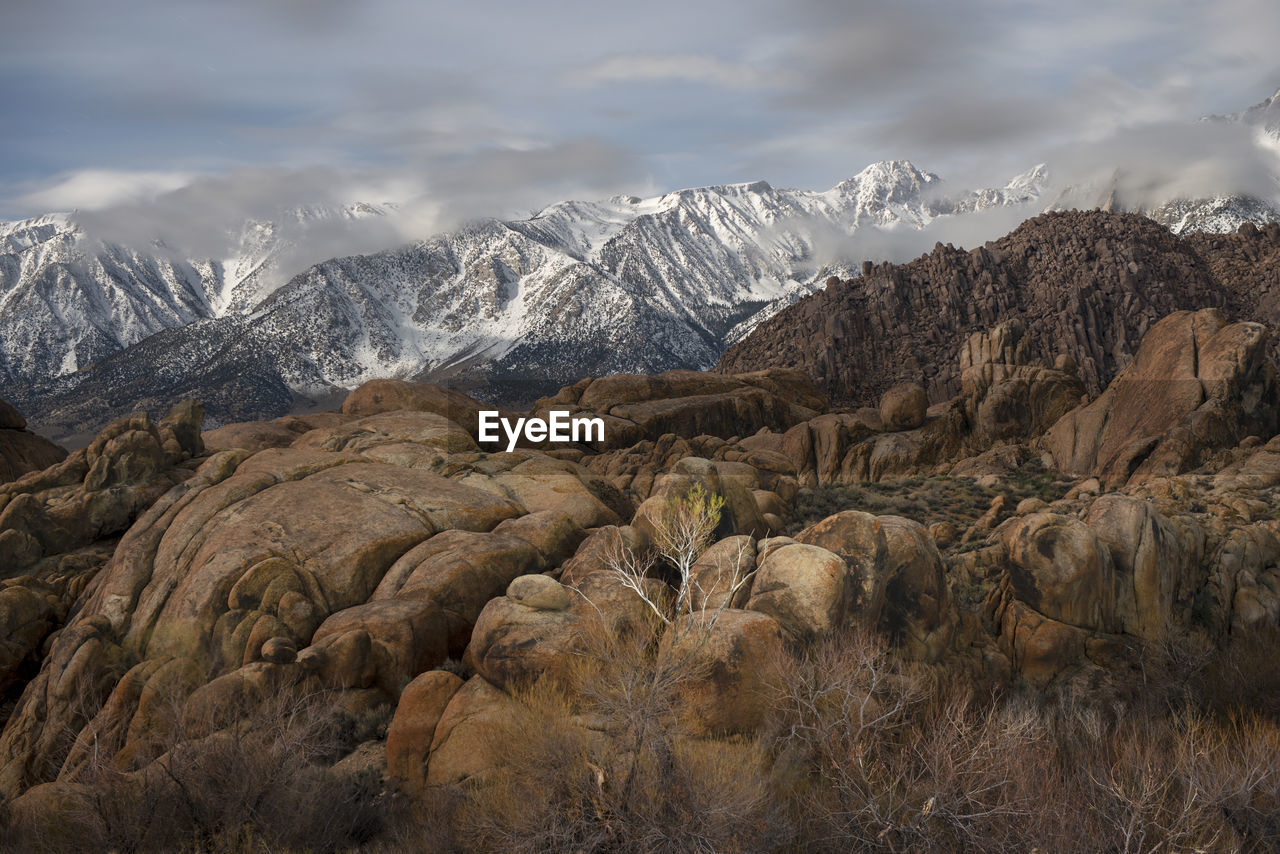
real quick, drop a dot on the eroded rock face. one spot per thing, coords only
(918, 611)
(1006, 397)
(22, 451)
(1061, 569)
(467, 742)
(358, 557)
(1003, 399)
(1085, 284)
(903, 407)
(520, 638)
(1198, 384)
(739, 515)
(97, 491)
(391, 395)
(1156, 563)
(722, 567)
(735, 654)
(806, 589)
(860, 540)
(636, 407)
(254, 436)
(58, 525)
(413, 728)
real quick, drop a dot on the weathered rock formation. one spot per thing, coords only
(1003, 401)
(22, 451)
(1198, 384)
(59, 526)
(383, 555)
(1085, 284)
(688, 403)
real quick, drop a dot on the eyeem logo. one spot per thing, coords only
(558, 428)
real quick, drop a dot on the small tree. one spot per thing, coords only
(647, 785)
(684, 528)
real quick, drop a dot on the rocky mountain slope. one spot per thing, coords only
(510, 310)
(1087, 285)
(165, 587)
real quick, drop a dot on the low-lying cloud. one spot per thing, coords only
(206, 216)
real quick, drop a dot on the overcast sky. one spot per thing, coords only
(500, 107)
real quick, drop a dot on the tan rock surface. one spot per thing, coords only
(730, 661)
(806, 589)
(1060, 568)
(413, 727)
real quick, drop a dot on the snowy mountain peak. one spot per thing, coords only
(884, 184)
(1033, 181)
(623, 284)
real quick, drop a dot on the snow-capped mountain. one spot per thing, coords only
(1218, 215)
(1263, 117)
(516, 308)
(1224, 213)
(69, 299)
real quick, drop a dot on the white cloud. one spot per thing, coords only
(641, 67)
(92, 189)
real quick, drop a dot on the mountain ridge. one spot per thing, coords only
(524, 306)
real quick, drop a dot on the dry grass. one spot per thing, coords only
(863, 753)
(925, 499)
(604, 763)
(259, 784)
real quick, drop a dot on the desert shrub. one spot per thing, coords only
(1241, 676)
(604, 763)
(873, 754)
(260, 784)
(880, 755)
(683, 529)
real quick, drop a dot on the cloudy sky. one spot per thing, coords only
(500, 107)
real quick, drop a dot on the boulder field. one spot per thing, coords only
(383, 554)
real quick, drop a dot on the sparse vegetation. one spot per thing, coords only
(260, 784)
(867, 753)
(862, 752)
(606, 762)
(958, 500)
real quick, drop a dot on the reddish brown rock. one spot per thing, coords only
(1039, 648)
(1087, 284)
(806, 589)
(1060, 568)
(1155, 562)
(859, 539)
(903, 407)
(255, 436)
(1199, 383)
(515, 642)
(405, 637)
(468, 739)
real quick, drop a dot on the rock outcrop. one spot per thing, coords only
(1084, 284)
(1199, 384)
(22, 451)
(636, 407)
(1003, 400)
(382, 555)
(359, 556)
